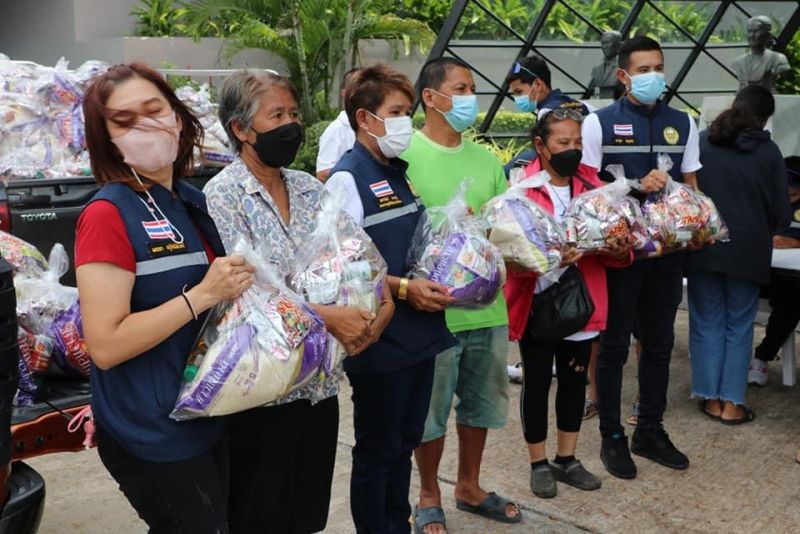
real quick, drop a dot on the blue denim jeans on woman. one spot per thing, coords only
(721, 314)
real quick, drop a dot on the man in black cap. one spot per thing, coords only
(529, 83)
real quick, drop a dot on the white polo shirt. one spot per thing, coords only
(337, 139)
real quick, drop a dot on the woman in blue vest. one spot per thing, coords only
(149, 265)
(392, 379)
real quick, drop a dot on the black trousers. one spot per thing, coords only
(784, 295)
(183, 497)
(537, 358)
(646, 294)
(389, 411)
(282, 460)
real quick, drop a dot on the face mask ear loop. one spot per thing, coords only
(152, 201)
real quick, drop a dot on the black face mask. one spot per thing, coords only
(566, 163)
(277, 147)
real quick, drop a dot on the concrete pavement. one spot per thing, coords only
(741, 479)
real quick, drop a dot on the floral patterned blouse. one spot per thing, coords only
(241, 207)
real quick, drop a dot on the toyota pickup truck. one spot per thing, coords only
(42, 212)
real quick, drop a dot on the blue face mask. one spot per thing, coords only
(525, 104)
(648, 87)
(463, 113)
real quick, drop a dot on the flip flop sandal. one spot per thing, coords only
(589, 409)
(428, 516)
(702, 407)
(748, 417)
(493, 507)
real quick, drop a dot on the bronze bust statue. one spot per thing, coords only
(761, 65)
(604, 75)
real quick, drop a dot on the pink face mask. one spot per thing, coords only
(151, 144)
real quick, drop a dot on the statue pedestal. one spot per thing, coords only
(782, 125)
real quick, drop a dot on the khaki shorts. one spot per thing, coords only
(474, 371)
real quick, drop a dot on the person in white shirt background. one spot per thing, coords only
(337, 138)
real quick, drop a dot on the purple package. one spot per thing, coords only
(70, 354)
(205, 391)
(27, 386)
(468, 287)
(315, 354)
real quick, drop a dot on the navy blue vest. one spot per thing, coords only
(132, 400)
(390, 218)
(556, 99)
(634, 136)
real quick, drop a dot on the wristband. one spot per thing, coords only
(402, 291)
(188, 302)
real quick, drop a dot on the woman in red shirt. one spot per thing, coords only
(557, 140)
(147, 265)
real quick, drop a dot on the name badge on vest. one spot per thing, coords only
(158, 249)
(385, 195)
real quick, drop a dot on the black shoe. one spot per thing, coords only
(656, 445)
(617, 458)
(575, 475)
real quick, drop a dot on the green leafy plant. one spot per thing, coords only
(157, 18)
(789, 83)
(306, 159)
(317, 39)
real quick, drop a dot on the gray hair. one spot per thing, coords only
(240, 95)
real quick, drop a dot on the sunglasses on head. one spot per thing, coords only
(562, 114)
(516, 68)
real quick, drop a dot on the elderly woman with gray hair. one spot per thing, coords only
(282, 455)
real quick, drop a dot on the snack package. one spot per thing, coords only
(26, 391)
(675, 215)
(40, 299)
(23, 257)
(252, 351)
(450, 247)
(215, 151)
(36, 350)
(598, 215)
(716, 229)
(70, 354)
(528, 236)
(339, 266)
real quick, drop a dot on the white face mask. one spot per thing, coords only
(399, 131)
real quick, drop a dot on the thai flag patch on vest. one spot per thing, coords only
(625, 130)
(381, 189)
(158, 229)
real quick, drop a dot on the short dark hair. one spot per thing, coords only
(532, 67)
(348, 76)
(637, 43)
(369, 88)
(434, 73)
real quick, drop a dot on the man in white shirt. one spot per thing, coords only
(337, 138)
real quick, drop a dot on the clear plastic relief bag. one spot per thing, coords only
(254, 350)
(450, 247)
(527, 235)
(340, 265)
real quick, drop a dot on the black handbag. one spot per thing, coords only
(562, 309)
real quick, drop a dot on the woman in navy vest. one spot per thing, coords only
(149, 265)
(392, 379)
(744, 173)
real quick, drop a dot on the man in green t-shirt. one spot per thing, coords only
(475, 370)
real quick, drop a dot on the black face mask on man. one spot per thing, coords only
(566, 163)
(278, 147)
